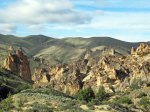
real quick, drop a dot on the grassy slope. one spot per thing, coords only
(14, 82)
(49, 100)
(66, 49)
(13, 40)
(43, 100)
(61, 50)
(36, 40)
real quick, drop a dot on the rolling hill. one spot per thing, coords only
(62, 50)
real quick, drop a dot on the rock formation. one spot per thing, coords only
(142, 50)
(18, 63)
(40, 76)
(66, 78)
(112, 71)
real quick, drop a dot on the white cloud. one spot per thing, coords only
(127, 26)
(115, 20)
(120, 20)
(34, 14)
(42, 11)
(7, 28)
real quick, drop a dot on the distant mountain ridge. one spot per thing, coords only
(62, 50)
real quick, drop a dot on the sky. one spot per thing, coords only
(127, 20)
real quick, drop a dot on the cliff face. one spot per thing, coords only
(114, 72)
(18, 63)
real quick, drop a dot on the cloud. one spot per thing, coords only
(127, 26)
(116, 21)
(7, 28)
(36, 12)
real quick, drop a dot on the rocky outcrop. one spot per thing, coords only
(113, 72)
(142, 50)
(67, 78)
(18, 63)
(108, 73)
(40, 76)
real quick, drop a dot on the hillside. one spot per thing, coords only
(42, 100)
(11, 83)
(36, 41)
(62, 50)
(50, 100)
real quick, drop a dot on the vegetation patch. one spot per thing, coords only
(85, 94)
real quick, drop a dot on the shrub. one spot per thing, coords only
(95, 102)
(85, 94)
(101, 94)
(70, 106)
(144, 101)
(36, 107)
(22, 87)
(123, 100)
(142, 94)
(1, 83)
(6, 105)
(20, 102)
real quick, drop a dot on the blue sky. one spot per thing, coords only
(127, 20)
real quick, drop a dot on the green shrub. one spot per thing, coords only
(22, 87)
(6, 105)
(70, 106)
(123, 100)
(95, 102)
(142, 94)
(101, 94)
(20, 102)
(1, 83)
(85, 94)
(144, 101)
(36, 107)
